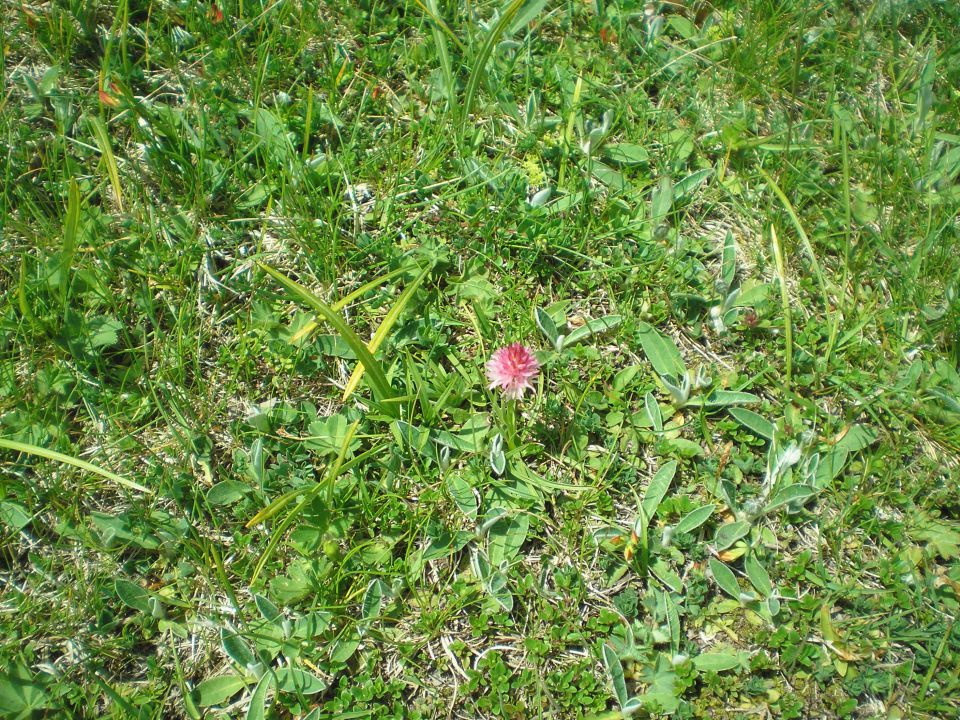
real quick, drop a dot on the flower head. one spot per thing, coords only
(512, 368)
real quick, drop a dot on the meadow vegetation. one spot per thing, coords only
(257, 256)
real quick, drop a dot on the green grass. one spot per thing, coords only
(731, 235)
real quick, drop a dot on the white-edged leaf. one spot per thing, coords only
(753, 422)
(267, 609)
(723, 398)
(626, 154)
(695, 518)
(615, 672)
(791, 494)
(498, 460)
(373, 598)
(236, 648)
(462, 494)
(592, 327)
(725, 578)
(217, 690)
(507, 536)
(661, 351)
(758, 575)
(728, 268)
(547, 326)
(657, 488)
(729, 533)
(716, 661)
(661, 199)
(653, 411)
(132, 595)
(257, 710)
(295, 680)
(691, 182)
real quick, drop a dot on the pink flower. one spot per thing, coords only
(512, 368)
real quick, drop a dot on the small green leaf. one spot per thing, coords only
(728, 269)
(268, 610)
(132, 595)
(547, 326)
(657, 488)
(14, 515)
(725, 578)
(462, 494)
(498, 460)
(257, 709)
(507, 536)
(695, 518)
(236, 648)
(723, 398)
(592, 327)
(615, 672)
(716, 661)
(691, 182)
(728, 534)
(295, 680)
(753, 422)
(627, 154)
(216, 690)
(344, 648)
(758, 576)
(653, 411)
(226, 492)
(104, 331)
(857, 438)
(661, 351)
(791, 494)
(373, 598)
(661, 200)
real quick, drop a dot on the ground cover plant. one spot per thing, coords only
(510, 359)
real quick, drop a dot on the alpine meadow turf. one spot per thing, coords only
(513, 358)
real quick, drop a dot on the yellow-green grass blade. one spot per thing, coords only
(381, 334)
(801, 233)
(346, 300)
(438, 21)
(70, 460)
(106, 150)
(70, 227)
(785, 303)
(378, 379)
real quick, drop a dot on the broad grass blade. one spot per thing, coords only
(69, 460)
(378, 379)
(381, 334)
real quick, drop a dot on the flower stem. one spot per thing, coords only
(510, 422)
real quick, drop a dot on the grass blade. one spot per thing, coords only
(347, 299)
(328, 482)
(785, 303)
(103, 142)
(378, 379)
(384, 329)
(70, 460)
(441, 43)
(70, 225)
(486, 50)
(802, 234)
